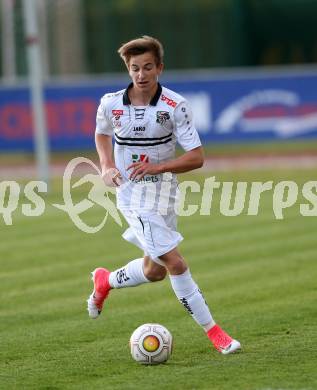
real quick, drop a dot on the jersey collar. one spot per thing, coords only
(154, 100)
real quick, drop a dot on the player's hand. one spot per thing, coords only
(112, 177)
(140, 169)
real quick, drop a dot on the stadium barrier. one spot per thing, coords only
(248, 105)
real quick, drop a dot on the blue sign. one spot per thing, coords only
(236, 108)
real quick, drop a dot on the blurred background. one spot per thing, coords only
(81, 36)
(246, 66)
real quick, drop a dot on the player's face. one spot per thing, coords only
(144, 71)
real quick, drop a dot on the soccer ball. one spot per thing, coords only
(151, 344)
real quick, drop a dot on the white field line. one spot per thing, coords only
(254, 163)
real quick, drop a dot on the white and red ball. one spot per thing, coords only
(151, 344)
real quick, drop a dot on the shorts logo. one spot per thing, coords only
(162, 117)
(168, 101)
(140, 158)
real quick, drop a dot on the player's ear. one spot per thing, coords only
(128, 69)
(127, 64)
(160, 68)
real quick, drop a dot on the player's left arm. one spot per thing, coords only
(190, 160)
(187, 137)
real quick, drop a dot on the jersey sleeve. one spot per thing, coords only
(103, 123)
(185, 131)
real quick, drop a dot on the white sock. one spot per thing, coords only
(128, 276)
(192, 299)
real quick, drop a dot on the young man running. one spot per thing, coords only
(146, 121)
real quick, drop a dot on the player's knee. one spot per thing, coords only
(155, 275)
(175, 263)
(177, 267)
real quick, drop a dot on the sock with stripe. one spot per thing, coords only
(192, 299)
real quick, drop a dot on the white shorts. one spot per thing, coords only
(152, 232)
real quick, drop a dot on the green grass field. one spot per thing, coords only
(258, 275)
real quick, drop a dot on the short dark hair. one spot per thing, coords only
(142, 45)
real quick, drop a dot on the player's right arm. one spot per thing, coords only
(105, 151)
(109, 172)
(103, 140)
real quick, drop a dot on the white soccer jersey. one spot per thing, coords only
(146, 133)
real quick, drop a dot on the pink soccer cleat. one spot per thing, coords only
(100, 277)
(222, 341)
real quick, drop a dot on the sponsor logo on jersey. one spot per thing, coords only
(139, 128)
(146, 179)
(168, 101)
(162, 117)
(140, 158)
(117, 112)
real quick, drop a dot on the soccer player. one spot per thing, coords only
(146, 120)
